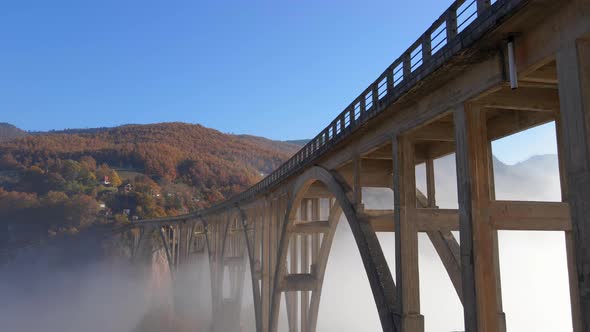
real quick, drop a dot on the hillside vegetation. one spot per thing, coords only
(204, 158)
(9, 132)
(63, 181)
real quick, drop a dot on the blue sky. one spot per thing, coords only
(279, 69)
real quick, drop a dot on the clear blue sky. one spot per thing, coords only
(279, 69)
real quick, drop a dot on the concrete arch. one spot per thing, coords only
(378, 273)
(256, 296)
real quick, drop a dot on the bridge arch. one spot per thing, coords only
(229, 246)
(376, 268)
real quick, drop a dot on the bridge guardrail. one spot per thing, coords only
(457, 28)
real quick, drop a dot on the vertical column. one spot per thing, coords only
(173, 246)
(304, 266)
(266, 289)
(451, 24)
(407, 259)
(257, 275)
(479, 243)
(430, 185)
(573, 72)
(357, 198)
(315, 238)
(292, 296)
(181, 242)
(407, 67)
(374, 96)
(426, 46)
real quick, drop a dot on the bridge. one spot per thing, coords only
(483, 70)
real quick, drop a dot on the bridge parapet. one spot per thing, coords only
(457, 29)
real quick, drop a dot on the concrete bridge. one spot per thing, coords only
(483, 70)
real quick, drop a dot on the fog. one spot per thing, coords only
(40, 293)
(100, 296)
(43, 292)
(532, 264)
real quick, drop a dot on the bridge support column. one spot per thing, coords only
(479, 241)
(573, 71)
(304, 263)
(408, 283)
(266, 268)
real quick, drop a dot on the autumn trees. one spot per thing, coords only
(62, 182)
(213, 162)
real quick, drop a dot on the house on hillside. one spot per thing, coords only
(105, 181)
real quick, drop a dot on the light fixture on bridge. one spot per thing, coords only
(512, 64)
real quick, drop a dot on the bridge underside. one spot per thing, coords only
(283, 237)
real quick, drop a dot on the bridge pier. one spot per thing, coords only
(479, 240)
(407, 274)
(573, 71)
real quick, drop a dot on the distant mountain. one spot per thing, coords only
(201, 157)
(535, 179)
(72, 131)
(9, 132)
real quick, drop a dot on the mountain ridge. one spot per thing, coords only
(191, 153)
(9, 132)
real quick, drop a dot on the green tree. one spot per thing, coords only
(88, 162)
(70, 170)
(114, 178)
(86, 177)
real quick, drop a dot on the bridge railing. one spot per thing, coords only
(457, 28)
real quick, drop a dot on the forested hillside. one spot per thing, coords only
(9, 132)
(63, 181)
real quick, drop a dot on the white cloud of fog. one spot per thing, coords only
(96, 297)
(533, 264)
(112, 296)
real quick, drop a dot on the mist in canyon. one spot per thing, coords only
(533, 264)
(113, 295)
(47, 291)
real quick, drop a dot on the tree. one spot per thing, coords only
(102, 171)
(114, 178)
(9, 163)
(55, 182)
(88, 162)
(86, 177)
(54, 197)
(81, 210)
(70, 169)
(105, 171)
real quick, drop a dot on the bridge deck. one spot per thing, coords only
(448, 42)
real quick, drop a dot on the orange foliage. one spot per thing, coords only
(217, 164)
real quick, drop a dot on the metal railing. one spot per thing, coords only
(458, 27)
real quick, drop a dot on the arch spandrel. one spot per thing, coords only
(378, 273)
